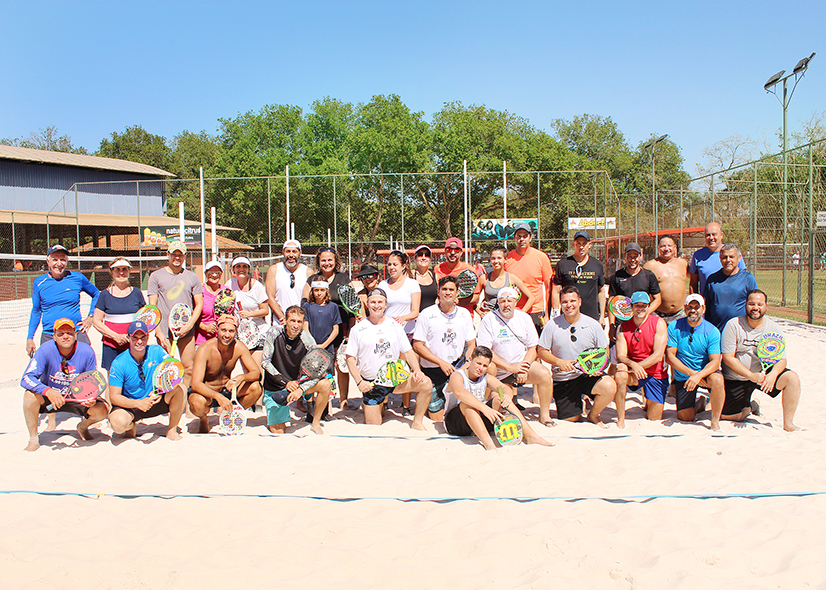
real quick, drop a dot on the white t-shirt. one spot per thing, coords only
(375, 344)
(445, 336)
(556, 337)
(508, 339)
(477, 388)
(284, 295)
(250, 300)
(398, 301)
(738, 337)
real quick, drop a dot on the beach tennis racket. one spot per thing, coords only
(341, 357)
(508, 431)
(168, 375)
(84, 387)
(466, 283)
(149, 315)
(620, 306)
(234, 421)
(316, 364)
(593, 361)
(248, 333)
(224, 302)
(349, 298)
(179, 317)
(770, 349)
(392, 373)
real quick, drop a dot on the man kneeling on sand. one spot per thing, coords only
(131, 386)
(284, 349)
(47, 379)
(474, 406)
(212, 381)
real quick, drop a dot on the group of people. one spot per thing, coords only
(525, 322)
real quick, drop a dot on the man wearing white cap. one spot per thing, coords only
(169, 286)
(511, 335)
(285, 280)
(693, 351)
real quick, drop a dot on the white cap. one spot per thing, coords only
(241, 260)
(213, 264)
(119, 263)
(695, 297)
(507, 292)
(292, 244)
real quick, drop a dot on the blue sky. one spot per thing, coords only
(694, 70)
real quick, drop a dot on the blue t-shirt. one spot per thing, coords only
(694, 345)
(125, 372)
(725, 296)
(321, 319)
(44, 369)
(705, 263)
(53, 299)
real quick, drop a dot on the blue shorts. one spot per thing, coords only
(276, 406)
(655, 389)
(377, 395)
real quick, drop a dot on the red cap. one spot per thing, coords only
(454, 242)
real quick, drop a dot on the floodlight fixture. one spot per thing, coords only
(774, 80)
(802, 64)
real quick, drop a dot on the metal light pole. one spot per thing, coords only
(651, 145)
(798, 72)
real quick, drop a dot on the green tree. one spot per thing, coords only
(136, 144)
(46, 139)
(190, 152)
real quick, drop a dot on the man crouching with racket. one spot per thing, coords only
(511, 335)
(562, 343)
(132, 386)
(212, 381)
(285, 350)
(375, 341)
(473, 409)
(47, 379)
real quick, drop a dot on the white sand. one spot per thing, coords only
(300, 534)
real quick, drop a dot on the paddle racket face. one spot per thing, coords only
(224, 302)
(248, 333)
(84, 387)
(467, 281)
(770, 349)
(341, 357)
(168, 375)
(593, 361)
(621, 308)
(179, 316)
(233, 422)
(315, 365)
(349, 299)
(508, 431)
(393, 373)
(149, 315)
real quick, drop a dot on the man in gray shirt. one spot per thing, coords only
(742, 370)
(562, 339)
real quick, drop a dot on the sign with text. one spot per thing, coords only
(577, 223)
(498, 229)
(821, 219)
(160, 236)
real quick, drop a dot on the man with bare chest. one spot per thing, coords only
(212, 381)
(671, 272)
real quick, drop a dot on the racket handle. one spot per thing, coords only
(174, 348)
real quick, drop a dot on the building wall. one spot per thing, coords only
(26, 186)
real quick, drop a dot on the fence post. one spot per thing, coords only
(811, 294)
(754, 225)
(401, 194)
(77, 228)
(538, 215)
(14, 251)
(335, 218)
(269, 217)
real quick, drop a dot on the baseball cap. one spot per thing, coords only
(695, 297)
(640, 297)
(137, 326)
(176, 245)
(367, 269)
(63, 322)
(582, 234)
(455, 242)
(420, 248)
(292, 244)
(632, 246)
(507, 292)
(120, 262)
(213, 264)
(242, 260)
(56, 248)
(524, 226)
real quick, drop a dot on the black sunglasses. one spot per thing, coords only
(292, 281)
(573, 331)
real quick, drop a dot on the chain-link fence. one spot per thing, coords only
(361, 215)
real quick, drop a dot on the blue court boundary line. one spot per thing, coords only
(641, 499)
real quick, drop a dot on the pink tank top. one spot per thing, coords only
(640, 342)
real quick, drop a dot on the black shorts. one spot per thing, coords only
(456, 424)
(510, 380)
(159, 408)
(686, 400)
(738, 395)
(377, 395)
(213, 402)
(69, 407)
(568, 395)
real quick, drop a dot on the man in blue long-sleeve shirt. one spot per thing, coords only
(56, 295)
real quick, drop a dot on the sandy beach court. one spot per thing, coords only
(656, 505)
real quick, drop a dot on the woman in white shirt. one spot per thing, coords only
(250, 300)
